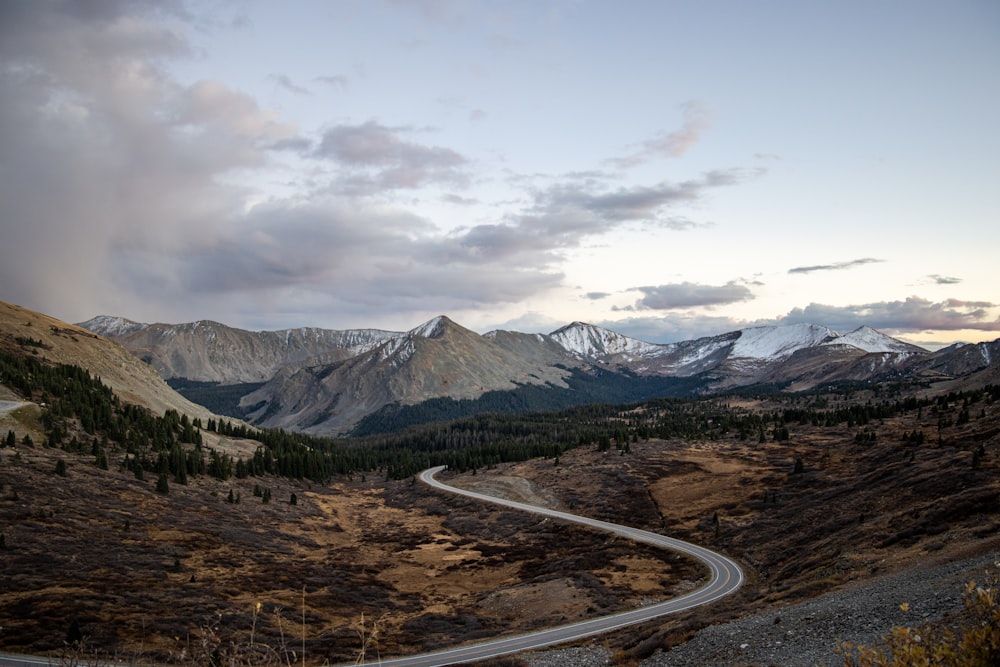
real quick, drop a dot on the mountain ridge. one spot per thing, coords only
(324, 381)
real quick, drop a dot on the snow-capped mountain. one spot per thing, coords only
(770, 343)
(742, 352)
(868, 339)
(325, 381)
(111, 327)
(589, 341)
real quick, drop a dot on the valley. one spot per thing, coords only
(424, 570)
(149, 536)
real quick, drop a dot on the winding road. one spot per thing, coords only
(725, 578)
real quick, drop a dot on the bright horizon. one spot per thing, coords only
(666, 170)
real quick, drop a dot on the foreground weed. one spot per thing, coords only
(975, 644)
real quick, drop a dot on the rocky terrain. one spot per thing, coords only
(814, 632)
(325, 382)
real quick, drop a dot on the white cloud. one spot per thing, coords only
(672, 144)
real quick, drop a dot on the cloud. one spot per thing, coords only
(105, 154)
(944, 280)
(909, 315)
(359, 261)
(690, 295)
(285, 81)
(338, 81)
(457, 200)
(838, 266)
(673, 327)
(561, 216)
(128, 191)
(673, 144)
(377, 157)
(596, 296)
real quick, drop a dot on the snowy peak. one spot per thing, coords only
(776, 342)
(588, 340)
(110, 327)
(433, 328)
(869, 340)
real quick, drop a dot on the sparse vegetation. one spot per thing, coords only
(972, 640)
(782, 482)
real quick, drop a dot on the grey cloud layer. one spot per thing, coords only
(375, 157)
(912, 315)
(691, 295)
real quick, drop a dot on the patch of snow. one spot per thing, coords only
(775, 342)
(587, 340)
(109, 326)
(429, 329)
(869, 340)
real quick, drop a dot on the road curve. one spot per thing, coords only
(725, 578)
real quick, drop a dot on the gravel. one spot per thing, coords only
(809, 633)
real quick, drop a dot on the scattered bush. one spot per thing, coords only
(975, 644)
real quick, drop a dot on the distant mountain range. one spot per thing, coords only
(328, 382)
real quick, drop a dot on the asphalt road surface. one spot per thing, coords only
(725, 578)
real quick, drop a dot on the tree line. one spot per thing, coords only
(84, 416)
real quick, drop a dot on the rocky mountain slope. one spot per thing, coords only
(212, 352)
(437, 359)
(324, 381)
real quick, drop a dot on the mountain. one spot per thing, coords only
(208, 351)
(45, 337)
(436, 359)
(976, 365)
(325, 381)
(756, 355)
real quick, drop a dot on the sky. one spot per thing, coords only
(668, 170)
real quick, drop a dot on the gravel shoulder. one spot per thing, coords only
(809, 633)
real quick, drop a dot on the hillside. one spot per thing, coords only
(44, 337)
(437, 359)
(208, 351)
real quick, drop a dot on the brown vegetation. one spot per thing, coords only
(392, 568)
